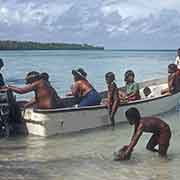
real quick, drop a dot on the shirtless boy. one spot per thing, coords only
(160, 130)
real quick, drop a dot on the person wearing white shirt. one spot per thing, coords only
(177, 62)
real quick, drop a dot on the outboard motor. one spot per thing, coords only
(10, 114)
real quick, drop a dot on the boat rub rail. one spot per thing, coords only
(44, 111)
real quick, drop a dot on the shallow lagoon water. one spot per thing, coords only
(59, 64)
(87, 155)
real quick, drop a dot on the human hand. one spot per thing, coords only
(69, 94)
(4, 88)
(105, 102)
(122, 154)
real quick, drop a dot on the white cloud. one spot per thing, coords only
(105, 22)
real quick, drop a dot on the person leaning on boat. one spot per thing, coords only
(83, 90)
(45, 96)
(113, 100)
(173, 80)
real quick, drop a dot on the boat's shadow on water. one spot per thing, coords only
(105, 129)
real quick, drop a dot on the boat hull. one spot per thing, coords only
(60, 121)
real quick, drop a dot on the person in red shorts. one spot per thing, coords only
(160, 130)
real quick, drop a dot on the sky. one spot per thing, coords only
(114, 24)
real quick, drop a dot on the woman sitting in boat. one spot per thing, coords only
(82, 89)
(45, 95)
(131, 87)
(173, 80)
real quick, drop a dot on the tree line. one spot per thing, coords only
(29, 45)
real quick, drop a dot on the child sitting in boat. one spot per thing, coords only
(161, 134)
(45, 96)
(131, 87)
(173, 80)
(147, 92)
(82, 89)
(113, 96)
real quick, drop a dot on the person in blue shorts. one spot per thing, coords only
(82, 89)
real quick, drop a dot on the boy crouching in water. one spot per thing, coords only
(113, 96)
(160, 130)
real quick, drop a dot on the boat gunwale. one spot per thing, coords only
(72, 109)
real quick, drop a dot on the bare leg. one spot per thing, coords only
(163, 150)
(152, 143)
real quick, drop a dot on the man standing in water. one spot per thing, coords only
(161, 134)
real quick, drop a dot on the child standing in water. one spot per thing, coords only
(161, 134)
(113, 96)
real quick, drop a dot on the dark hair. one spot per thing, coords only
(178, 51)
(45, 76)
(147, 91)
(1, 63)
(32, 76)
(81, 71)
(133, 114)
(127, 74)
(110, 76)
(77, 75)
(172, 68)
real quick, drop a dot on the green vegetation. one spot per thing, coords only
(28, 45)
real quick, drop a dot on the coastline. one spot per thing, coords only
(30, 45)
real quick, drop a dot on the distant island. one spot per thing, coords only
(29, 45)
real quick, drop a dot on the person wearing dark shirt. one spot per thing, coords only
(1, 76)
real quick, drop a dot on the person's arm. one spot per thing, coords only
(135, 138)
(171, 79)
(109, 97)
(70, 93)
(23, 90)
(75, 89)
(30, 103)
(135, 130)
